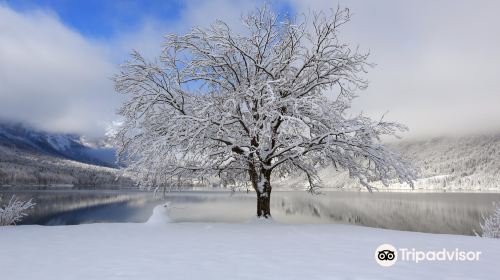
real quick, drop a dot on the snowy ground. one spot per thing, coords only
(160, 250)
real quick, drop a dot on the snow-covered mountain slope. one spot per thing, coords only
(28, 156)
(443, 164)
(23, 168)
(456, 163)
(32, 157)
(65, 146)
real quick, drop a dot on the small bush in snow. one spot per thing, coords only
(14, 211)
(491, 224)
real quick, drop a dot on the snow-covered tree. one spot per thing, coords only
(491, 224)
(14, 211)
(269, 101)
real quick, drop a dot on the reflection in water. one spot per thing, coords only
(455, 213)
(72, 207)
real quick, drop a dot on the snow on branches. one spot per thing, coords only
(271, 100)
(14, 211)
(491, 224)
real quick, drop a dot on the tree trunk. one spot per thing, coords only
(261, 182)
(264, 205)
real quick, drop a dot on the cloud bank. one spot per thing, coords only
(437, 63)
(51, 77)
(55, 79)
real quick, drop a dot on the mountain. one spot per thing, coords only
(60, 145)
(22, 168)
(33, 157)
(467, 163)
(455, 163)
(30, 157)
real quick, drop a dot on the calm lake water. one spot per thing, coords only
(454, 213)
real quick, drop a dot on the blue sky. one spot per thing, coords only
(101, 19)
(436, 72)
(94, 18)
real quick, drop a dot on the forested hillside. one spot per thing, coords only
(445, 163)
(22, 168)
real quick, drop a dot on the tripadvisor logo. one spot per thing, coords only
(387, 255)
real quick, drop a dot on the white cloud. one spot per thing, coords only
(55, 79)
(437, 62)
(51, 77)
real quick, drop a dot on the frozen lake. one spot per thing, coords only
(454, 213)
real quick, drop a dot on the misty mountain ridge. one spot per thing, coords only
(442, 163)
(458, 163)
(61, 145)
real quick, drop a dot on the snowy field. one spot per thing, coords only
(254, 250)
